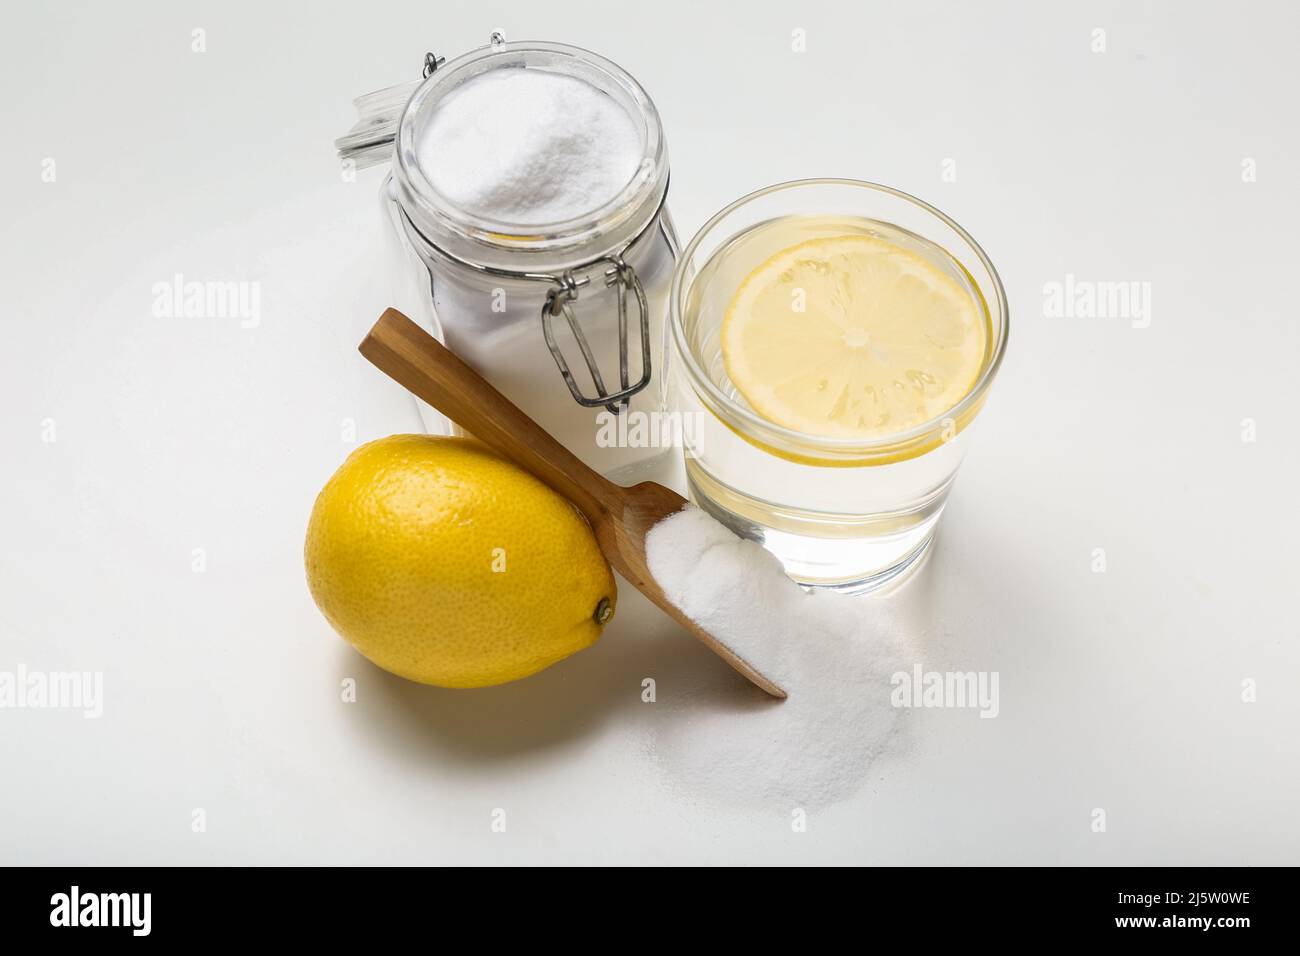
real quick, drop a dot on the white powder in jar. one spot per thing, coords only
(834, 655)
(527, 146)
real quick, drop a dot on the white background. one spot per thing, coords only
(1120, 690)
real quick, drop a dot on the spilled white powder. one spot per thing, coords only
(833, 654)
(525, 146)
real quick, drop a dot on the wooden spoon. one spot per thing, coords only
(619, 516)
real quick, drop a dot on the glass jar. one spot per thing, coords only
(566, 319)
(841, 513)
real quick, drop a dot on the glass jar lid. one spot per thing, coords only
(551, 246)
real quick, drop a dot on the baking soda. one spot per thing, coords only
(528, 147)
(834, 655)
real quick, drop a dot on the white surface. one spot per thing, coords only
(1119, 690)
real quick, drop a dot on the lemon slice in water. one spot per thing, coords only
(852, 337)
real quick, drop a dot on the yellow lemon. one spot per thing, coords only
(445, 564)
(852, 336)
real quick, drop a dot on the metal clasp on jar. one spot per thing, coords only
(558, 300)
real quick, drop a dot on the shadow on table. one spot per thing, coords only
(556, 707)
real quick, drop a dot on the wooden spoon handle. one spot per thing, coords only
(414, 358)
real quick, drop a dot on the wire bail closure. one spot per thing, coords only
(557, 302)
(431, 63)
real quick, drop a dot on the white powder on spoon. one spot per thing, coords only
(833, 655)
(527, 147)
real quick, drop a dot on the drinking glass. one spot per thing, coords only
(842, 513)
